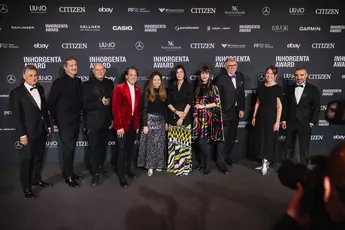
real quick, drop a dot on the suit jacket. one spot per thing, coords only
(65, 101)
(96, 114)
(228, 94)
(29, 119)
(307, 109)
(122, 107)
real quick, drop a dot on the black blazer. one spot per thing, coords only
(29, 119)
(308, 107)
(228, 94)
(96, 114)
(65, 101)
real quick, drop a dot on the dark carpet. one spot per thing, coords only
(242, 200)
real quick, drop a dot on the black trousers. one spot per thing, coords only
(31, 160)
(95, 155)
(301, 129)
(125, 150)
(205, 151)
(230, 124)
(69, 137)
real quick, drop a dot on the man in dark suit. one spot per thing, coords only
(97, 94)
(32, 122)
(231, 90)
(301, 108)
(65, 104)
(126, 107)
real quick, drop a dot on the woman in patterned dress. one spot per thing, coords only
(207, 118)
(180, 100)
(153, 136)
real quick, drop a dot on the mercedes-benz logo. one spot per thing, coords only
(261, 76)
(3, 9)
(266, 10)
(282, 138)
(18, 145)
(139, 45)
(177, 28)
(11, 79)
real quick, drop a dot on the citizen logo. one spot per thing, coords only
(323, 107)
(293, 46)
(77, 46)
(323, 45)
(106, 45)
(7, 113)
(38, 9)
(82, 143)
(310, 28)
(105, 10)
(296, 11)
(202, 45)
(203, 10)
(319, 76)
(123, 28)
(338, 137)
(51, 144)
(316, 137)
(72, 9)
(327, 11)
(41, 46)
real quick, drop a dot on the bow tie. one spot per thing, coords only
(299, 86)
(34, 87)
(232, 76)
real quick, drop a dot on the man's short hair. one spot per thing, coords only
(133, 68)
(230, 59)
(30, 67)
(67, 60)
(301, 68)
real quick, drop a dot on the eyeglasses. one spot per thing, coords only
(231, 65)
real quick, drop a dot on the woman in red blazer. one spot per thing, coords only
(126, 107)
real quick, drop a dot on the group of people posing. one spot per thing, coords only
(167, 123)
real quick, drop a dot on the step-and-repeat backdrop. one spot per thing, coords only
(160, 36)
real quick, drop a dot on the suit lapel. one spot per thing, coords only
(293, 95)
(304, 94)
(128, 94)
(31, 99)
(137, 95)
(230, 81)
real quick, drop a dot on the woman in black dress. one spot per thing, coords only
(153, 137)
(266, 119)
(180, 100)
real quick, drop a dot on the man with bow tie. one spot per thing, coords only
(32, 123)
(231, 90)
(301, 108)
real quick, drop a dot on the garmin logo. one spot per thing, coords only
(203, 10)
(82, 143)
(323, 45)
(310, 28)
(72, 9)
(123, 28)
(74, 46)
(327, 11)
(202, 45)
(293, 46)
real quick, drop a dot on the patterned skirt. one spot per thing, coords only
(179, 150)
(152, 146)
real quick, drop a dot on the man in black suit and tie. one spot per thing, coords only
(97, 94)
(65, 104)
(301, 108)
(32, 123)
(231, 90)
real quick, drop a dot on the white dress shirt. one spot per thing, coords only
(233, 79)
(299, 92)
(34, 93)
(132, 90)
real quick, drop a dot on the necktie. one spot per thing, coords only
(34, 87)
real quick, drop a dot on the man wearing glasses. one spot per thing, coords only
(231, 90)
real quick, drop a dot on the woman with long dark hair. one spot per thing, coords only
(180, 100)
(207, 118)
(266, 119)
(153, 137)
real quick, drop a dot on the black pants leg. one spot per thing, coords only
(69, 137)
(205, 150)
(304, 133)
(291, 135)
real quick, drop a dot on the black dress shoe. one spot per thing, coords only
(103, 171)
(131, 175)
(28, 193)
(206, 172)
(76, 177)
(71, 182)
(229, 162)
(123, 183)
(95, 180)
(223, 169)
(42, 184)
